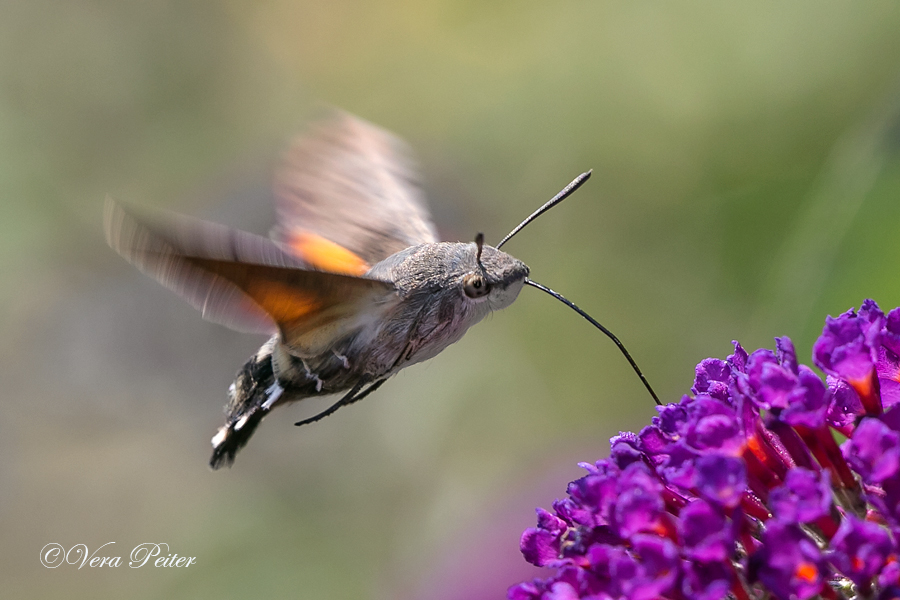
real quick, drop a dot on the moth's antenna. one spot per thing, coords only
(608, 333)
(479, 241)
(565, 193)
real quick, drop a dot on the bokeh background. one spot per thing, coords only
(746, 183)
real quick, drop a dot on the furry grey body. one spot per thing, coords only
(429, 312)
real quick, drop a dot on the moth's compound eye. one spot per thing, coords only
(475, 286)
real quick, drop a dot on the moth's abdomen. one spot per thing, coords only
(252, 395)
(270, 378)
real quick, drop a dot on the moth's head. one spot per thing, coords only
(495, 277)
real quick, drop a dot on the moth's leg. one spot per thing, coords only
(418, 338)
(367, 391)
(410, 346)
(273, 393)
(342, 358)
(354, 395)
(311, 375)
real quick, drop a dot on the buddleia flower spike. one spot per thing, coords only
(741, 489)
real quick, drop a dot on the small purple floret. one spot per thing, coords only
(804, 497)
(721, 479)
(845, 406)
(789, 563)
(874, 451)
(639, 503)
(860, 549)
(652, 572)
(842, 350)
(707, 581)
(540, 545)
(706, 532)
(713, 377)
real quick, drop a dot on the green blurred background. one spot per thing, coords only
(746, 181)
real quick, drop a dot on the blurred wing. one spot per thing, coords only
(348, 197)
(245, 281)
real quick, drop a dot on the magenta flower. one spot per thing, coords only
(740, 489)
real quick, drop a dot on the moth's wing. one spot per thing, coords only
(244, 281)
(347, 185)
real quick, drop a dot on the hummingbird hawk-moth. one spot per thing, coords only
(352, 284)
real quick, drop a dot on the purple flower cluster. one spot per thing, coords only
(741, 489)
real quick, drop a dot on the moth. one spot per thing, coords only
(352, 284)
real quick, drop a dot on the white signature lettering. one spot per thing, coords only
(53, 555)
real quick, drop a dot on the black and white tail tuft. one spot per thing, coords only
(253, 393)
